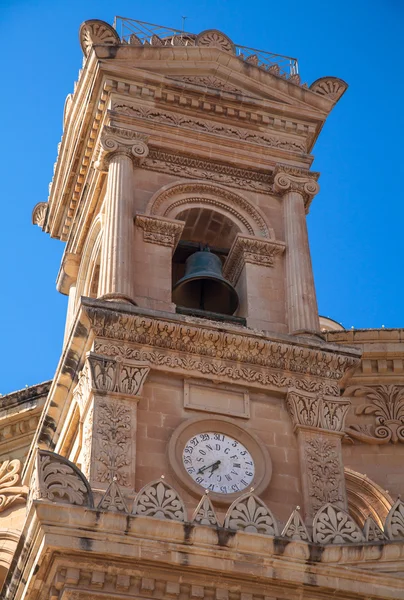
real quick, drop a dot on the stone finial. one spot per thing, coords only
(95, 32)
(39, 214)
(330, 87)
(213, 38)
(159, 500)
(331, 525)
(249, 513)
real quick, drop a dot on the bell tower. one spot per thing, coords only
(191, 442)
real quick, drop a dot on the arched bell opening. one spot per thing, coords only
(366, 498)
(197, 279)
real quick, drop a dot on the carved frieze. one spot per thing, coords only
(210, 127)
(157, 230)
(11, 490)
(251, 250)
(196, 168)
(210, 81)
(386, 405)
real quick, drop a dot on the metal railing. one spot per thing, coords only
(142, 33)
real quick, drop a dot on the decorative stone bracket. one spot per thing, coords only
(116, 140)
(315, 410)
(252, 250)
(159, 230)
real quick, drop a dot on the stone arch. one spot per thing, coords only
(90, 259)
(173, 199)
(366, 498)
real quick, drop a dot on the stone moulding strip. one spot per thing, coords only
(210, 343)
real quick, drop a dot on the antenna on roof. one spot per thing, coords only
(183, 22)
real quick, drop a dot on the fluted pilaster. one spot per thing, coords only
(120, 149)
(297, 188)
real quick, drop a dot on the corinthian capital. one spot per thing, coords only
(317, 411)
(293, 179)
(115, 140)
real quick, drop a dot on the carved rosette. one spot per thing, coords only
(116, 140)
(94, 32)
(315, 410)
(248, 249)
(158, 230)
(292, 179)
(11, 490)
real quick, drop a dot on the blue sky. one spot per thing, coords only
(355, 223)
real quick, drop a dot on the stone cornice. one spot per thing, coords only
(217, 347)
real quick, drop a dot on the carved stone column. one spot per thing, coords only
(298, 187)
(121, 149)
(155, 241)
(250, 268)
(319, 424)
(107, 394)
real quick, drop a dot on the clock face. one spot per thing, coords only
(218, 463)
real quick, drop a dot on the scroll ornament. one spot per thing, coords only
(386, 404)
(10, 491)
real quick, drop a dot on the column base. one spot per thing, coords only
(117, 298)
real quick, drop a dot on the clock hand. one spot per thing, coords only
(214, 467)
(203, 469)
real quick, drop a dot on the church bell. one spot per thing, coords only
(203, 286)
